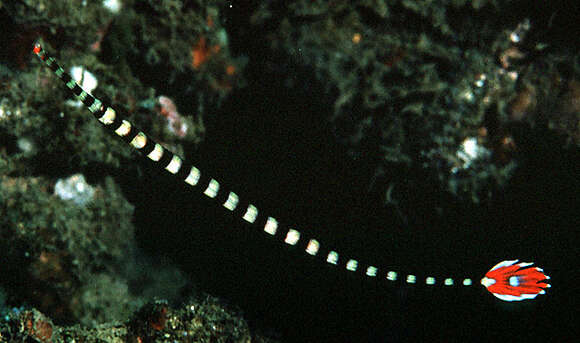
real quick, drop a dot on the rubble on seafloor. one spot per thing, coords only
(195, 321)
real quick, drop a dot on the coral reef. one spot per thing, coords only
(195, 321)
(412, 80)
(68, 245)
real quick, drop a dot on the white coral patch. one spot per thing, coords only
(113, 5)
(468, 152)
(75, 189)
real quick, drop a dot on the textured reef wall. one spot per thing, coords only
(443, 86)
(66, 226)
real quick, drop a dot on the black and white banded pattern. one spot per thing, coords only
(191, 175)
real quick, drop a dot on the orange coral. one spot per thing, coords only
(159, 318)
(201, 52)
(37, 326)
(230, 70)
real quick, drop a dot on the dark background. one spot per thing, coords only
(273, 146)
(276, 150)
